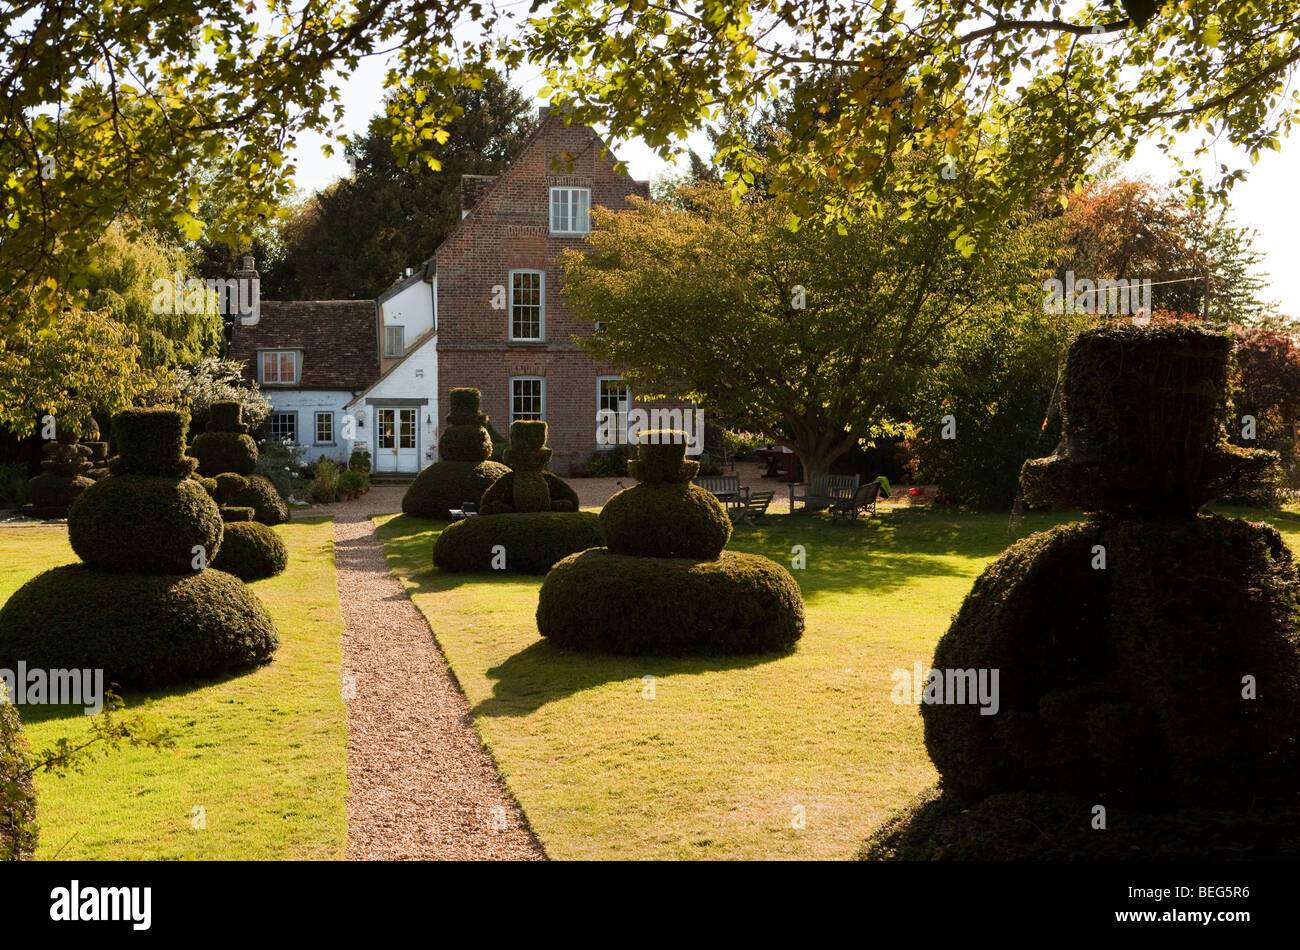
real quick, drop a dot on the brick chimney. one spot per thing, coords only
(472, 188)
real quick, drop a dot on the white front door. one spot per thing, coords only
(396, 443)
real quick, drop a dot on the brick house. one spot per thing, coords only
(483, 311)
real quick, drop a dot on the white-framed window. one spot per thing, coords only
(324, 428)
(394, 342)
(527, 305)
(279, 367)
(613, 395)
(283, 425)
(527, 399)
(570, 209)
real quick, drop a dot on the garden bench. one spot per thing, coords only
(467, 509)
(864, 499)
(754, 507)
(824, 491)
(725, 487)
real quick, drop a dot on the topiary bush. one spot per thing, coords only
(225, 445)
(529, 487)
(616, 603)
(251, 551)
(446, 485)
(499, 498)
(150, 442)
(232, 515)
(19, 833)
(260, 495)
(142, 630)
(533, 541)
(144, 523)
(665, 519)
(464, 471)
(1148, 658)
(664, 585)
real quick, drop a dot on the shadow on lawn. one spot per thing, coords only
(540, 673)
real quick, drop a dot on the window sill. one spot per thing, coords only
(527, 340)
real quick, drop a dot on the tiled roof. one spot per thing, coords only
(338, 339)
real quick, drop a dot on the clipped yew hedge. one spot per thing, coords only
(260, 495)
(665, 520)
(251, 551)
(533, 541)
(142, 630)
(617, 603)
(144, 524)
(446, 485)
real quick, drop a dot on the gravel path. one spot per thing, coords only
(421, 785)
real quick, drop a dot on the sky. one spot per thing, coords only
(1268, 201)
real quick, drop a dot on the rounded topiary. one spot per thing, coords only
(464, 438)
(224, 445)
(150, 442)
(219, 452)
(260, 495)
(531, 541)
(142, 630)
(48, 490)
(18, 830)
(529, 487)
(144, 523)
(665, 519)
(446, 485)
(1104, 683)
(251, 551)
(227, 484)
(499, 498)
(615, 603)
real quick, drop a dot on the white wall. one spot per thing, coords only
(415, 378)
(412, 309)
(306, 403)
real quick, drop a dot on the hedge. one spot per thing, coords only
(446, 485)
(251, 551)
(615, 603)
(1129, 678)
(533, 541)
(142, 630)
(260, 495)
(150, 442)
(219, 452)
(665, 520)
(144, 524)
(499, 498)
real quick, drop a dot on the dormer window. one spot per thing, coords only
(394, 342)
(279, 368)
(570, 209)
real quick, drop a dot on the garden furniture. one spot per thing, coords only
(753, 509)
(823, 491)
(467, 509)
(726, 488)
(864, 499)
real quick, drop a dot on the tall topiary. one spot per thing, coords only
(464, 470)
(665, 584)
(144, 607)
(529, 514)
(225, 445)
(1148, 658)
(528, 487)
(67, 465)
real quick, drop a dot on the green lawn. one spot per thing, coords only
(730, 754)
(262, 754)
